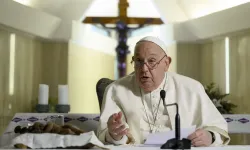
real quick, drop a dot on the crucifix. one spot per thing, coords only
(122, 22)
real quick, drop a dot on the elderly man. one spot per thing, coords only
(132, 107)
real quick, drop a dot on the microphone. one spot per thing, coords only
(163, 95)
(175, 143)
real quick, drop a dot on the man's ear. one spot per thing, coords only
(168, 62)
(132, 60)
(169, 59)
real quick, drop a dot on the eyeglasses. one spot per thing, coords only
(151, 63)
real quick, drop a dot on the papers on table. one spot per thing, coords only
(161, 137)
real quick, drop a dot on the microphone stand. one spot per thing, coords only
(176, 143)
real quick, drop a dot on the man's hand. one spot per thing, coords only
(200, 138)
(115, 127)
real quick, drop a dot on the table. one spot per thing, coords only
(237, 123)
(233, 147)
(89, 122)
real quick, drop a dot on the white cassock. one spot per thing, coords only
(140, 109)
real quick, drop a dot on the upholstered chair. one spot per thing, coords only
(100, 89)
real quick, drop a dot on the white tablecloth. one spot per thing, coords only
(89, 122)
(233, 147)
(238, 123)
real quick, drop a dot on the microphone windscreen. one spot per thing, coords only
(163, 94)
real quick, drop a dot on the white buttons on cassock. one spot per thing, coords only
(155, 105)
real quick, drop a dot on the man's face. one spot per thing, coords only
(150, 64)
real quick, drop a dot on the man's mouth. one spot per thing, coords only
(143, 78)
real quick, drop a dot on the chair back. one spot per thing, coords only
(100, 89)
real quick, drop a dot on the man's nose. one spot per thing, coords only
(144, 67)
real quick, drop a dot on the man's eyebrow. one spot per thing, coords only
(153, 54)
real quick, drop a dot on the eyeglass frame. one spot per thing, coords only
(151, 68)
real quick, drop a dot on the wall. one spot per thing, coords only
(55, 65)
(240, 71)
(213, 70)
(172, 52)
(4, 59)
(26, 19)
(34, 61)
(41, 61)
(27, 64)
(207, 65)
(85, 68)
(187, 60)
(239, 78)
(130, 67)
(88, 36)
(215, 24)
(213, 63)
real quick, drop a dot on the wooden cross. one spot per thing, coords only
(121, 27)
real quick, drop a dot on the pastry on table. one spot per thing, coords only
(39, 128)
(49, 128)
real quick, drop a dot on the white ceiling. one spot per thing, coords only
(57, 19)
(68, 9)
(198, 8)
(169, 10)
(137, 8)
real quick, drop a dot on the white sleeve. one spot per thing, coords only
(109, 139)
(109, 107)
(218, 141)
(210, 119)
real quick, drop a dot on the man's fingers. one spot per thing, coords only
(197, 139)
(111, 118)
(192, 136)
(119, 116)
(200, 138)
(121, 133)
(115, 126)
(119, 129)
(197, 133)
(198, 143)
(115, 116)
(118, 136)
